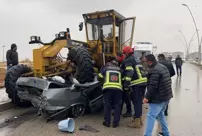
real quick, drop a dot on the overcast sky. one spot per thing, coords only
(158, 21)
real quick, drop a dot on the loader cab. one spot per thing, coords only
(108, 31)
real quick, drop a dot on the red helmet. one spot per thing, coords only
(127, 50)
(120, 58)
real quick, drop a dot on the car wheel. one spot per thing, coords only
(78, 110)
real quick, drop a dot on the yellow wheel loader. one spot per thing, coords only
(57, 86)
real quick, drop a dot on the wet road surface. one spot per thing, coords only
(185, 114)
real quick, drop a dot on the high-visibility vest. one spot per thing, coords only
(112, 80)
(141, 77)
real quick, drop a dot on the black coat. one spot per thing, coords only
(158, 84)
(12, 57)
(178, 62)
(169, 65)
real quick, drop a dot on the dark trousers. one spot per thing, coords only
(112, 98)
(137, 96)
(126, 99)
(179, 68)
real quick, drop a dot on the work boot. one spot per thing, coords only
(141, 121)
(127, 114)
(135, 123)
(106, 124)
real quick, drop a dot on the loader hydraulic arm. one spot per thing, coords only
(43, 57)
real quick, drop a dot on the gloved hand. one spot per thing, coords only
(126, 85)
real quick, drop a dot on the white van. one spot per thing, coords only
(146, 47)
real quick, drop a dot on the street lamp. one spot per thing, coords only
(3, 51)
(187, 45)
(184, 38)
(199, 46)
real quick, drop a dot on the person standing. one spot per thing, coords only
(178, 63)
(142, 58)
(126, 96)
(112, 92)
(143, 62)
(135, 83)
(12, 56)
(158, 95)
(169, 65)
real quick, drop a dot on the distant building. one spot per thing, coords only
(173, 54)
(167, 54)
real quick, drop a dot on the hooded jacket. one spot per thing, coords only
(12, 56)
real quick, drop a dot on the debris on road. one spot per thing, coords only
(19, 119)
(88, 128)
(67, 125)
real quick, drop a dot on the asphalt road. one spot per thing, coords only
(185, 114)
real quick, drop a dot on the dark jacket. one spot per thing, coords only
(178, 61)
(129, 61)
(169, 65)
(130, 72)
(158, 84)
(12, 57)
(111, 75)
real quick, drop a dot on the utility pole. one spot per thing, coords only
(3, 51)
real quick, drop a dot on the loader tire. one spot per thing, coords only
(84, 66)
(12, 76)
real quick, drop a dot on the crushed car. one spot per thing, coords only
(54, 97)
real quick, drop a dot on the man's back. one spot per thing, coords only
(159, 84)
(178, 61)
(169, 65)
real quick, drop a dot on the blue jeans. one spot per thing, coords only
(156, 111)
